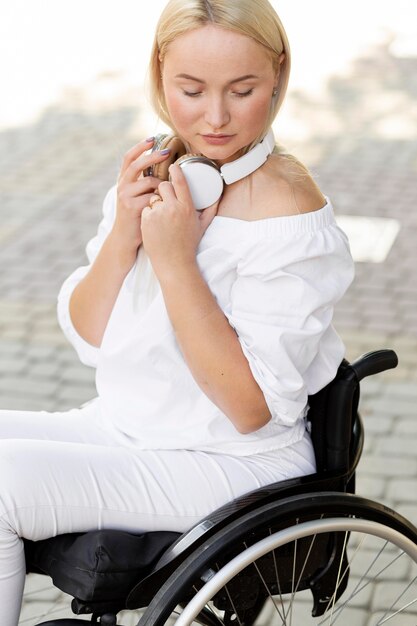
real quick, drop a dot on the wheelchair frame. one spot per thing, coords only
(275, 516)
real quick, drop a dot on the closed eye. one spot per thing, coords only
(239, 94)
(243, 94)
(192, 94)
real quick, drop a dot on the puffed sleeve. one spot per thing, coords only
(281, 306)
(87, 353)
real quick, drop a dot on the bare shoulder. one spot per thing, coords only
(283, 186)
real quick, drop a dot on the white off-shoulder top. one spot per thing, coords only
(277, 281)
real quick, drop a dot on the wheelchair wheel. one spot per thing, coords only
(313, 559)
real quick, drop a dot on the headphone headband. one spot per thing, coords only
(249, 162)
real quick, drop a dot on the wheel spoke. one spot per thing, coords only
(208, 607)
(293, 577)
(282, 616)
(305, 563)
(340, 607)
(360, 587)
(384, 618)
(295, 589)
(233, 606)
(277, 579)
(338, 581)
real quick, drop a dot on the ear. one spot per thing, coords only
(281, 59)
(161, 65)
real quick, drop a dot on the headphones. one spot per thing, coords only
(205, 178)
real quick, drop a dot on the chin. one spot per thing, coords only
(220, 153)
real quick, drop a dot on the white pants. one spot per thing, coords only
(60, 473)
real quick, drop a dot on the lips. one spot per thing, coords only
(217, 139)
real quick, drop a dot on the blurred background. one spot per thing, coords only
(73, 101)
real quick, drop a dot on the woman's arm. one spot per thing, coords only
(171, 233)
(212, 350)
(93, 299)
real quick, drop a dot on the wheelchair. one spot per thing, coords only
(301, 551)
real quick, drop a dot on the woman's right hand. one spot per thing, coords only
(134, 191)
(93, 299)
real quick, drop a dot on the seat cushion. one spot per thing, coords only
(100, 565)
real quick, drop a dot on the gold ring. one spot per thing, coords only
(155, 198)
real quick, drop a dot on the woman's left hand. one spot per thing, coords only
(172, 228)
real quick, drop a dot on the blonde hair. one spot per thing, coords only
(254, 18)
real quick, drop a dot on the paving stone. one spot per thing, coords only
(69, 396)
(37, 352)
(379, 561)
(406, 619)
(408, 510)
(370, 387)
(45, 370)
(377, 424)
(28, 387)
(406, 426)
(399, 406)
(378, 466)
(53, 337)
(78, 374)
(12, 366)
(67, 357)
(368, 446)
(387, 593)
(397, 446)
(40, 586)
(403, 489)
(403, 390)
(17, 402)
(370, 487)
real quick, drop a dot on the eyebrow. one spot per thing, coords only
(235, 80)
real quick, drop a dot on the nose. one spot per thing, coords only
(217, 114)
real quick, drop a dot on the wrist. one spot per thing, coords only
(123, 255)
(188, 297)
(178, 273)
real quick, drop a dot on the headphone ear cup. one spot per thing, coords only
(204, 179)
(174, 143)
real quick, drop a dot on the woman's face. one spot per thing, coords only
(218, 88)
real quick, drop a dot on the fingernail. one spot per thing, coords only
(165, 151)
(149, 139)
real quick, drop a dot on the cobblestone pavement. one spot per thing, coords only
(55, 172)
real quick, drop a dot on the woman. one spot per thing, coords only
(202, 392)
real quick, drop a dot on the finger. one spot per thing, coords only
(146, 214)
(180, 185)
(135, 152)
(143, 162)
(166, 191)
(154, 199)
(207, 216)
(147, 184)
(136, 203)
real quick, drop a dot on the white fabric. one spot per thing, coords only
(277, 281)
(61, 473)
